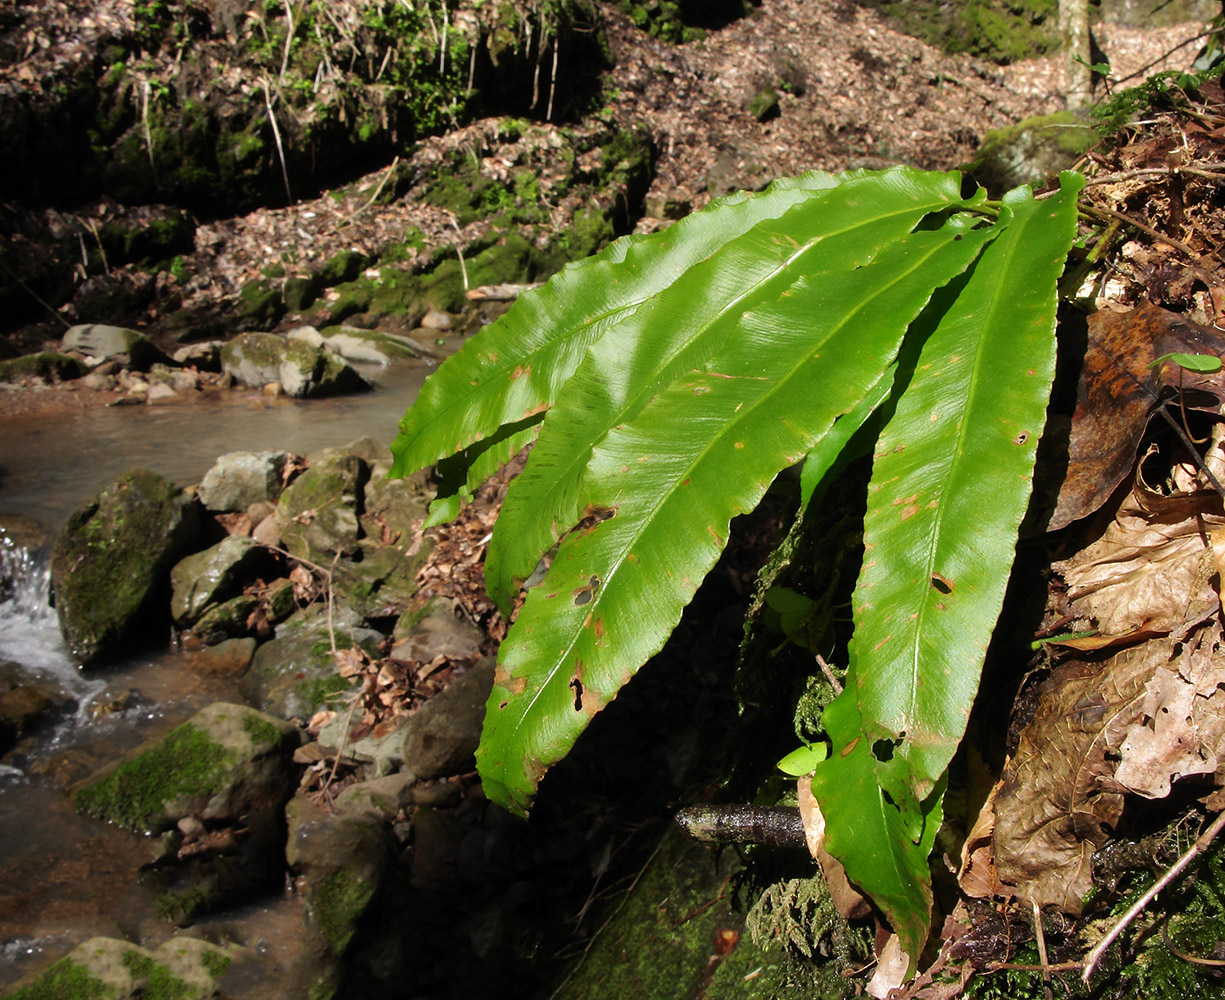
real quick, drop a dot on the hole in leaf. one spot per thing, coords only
(942, 583)
(577, 687)
(882, 750)
(584, 594)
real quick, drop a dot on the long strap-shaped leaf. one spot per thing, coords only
(950, 484)
(516, 366)
(704, 450)
(682, 326)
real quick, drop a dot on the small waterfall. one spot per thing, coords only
(30, 636)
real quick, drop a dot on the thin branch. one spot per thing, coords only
(276, 134)
(1111, 213)
(1201, 844)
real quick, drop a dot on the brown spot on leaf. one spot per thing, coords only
(910, 511)
(846, 750)
(1021, 438)
(520, 371)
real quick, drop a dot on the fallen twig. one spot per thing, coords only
(1095, 954)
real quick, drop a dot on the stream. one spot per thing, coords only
(65, 878)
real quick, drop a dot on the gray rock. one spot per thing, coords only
(299, 368)
(110, 565)
(101, 342)
(435, 630)
(1030, 151)
(294, 675)
(25, 702)
(241, 478)
(341, 858)
(370, 346)
(209, 577)
(224, 762)
(441, 739)
(317, 514)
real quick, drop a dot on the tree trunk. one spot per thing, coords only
(1074, 29)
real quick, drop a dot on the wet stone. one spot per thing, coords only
(208, 577)
(242, 478)
(110, 565)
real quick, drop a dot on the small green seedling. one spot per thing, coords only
(1203, 364)
(804, 760)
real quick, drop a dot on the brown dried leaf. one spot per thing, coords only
(1116, 395)
(1139, 722)
(1151, 570)
(349, 662)
(1182, 729)
(847, 900)
(1051, 812)
(977, 877)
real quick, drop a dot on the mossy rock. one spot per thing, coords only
(300, 368)
(342, 856)
(318, 513)
(226, 620)
(110, 565)
(661, 941)
(259, 304)
(299, 292)
(295, 675)
(223, 762)
(370, 346)
(206, 578)
(344, 266)
(381, 583)
(1030, 152)
(108, 969)
(49, 366)
(1001, 30)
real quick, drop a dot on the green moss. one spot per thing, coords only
(259, 303)
(323, 691)
(262, 732)
(1002, 30)
(186, 762)
(215, 963)
(337, 903)
(65, 980)
(45, 364)
(179, 906)
(159, 982)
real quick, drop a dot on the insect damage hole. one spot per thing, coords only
(942, 583)
(577, 687)
(584, 594)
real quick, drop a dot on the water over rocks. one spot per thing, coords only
(320, 627)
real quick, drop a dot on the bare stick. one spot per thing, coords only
(1040, 938)
(548, 115)
(144, 117)
(280, 149)
(1200, 845)
(288, 40)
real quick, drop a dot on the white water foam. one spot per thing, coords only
(29, 629)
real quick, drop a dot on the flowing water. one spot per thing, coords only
(64, 878)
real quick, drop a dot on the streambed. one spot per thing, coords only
(65, 878)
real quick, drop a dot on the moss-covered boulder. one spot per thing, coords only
(1001, 30)
(295, 674)
(107, 969)
(370, 346)
(298, 367)
(165, 104)
(46, 366)
(224, 762)
(1031, 151)
(110, 565)
(342, 856)
(318, 513)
